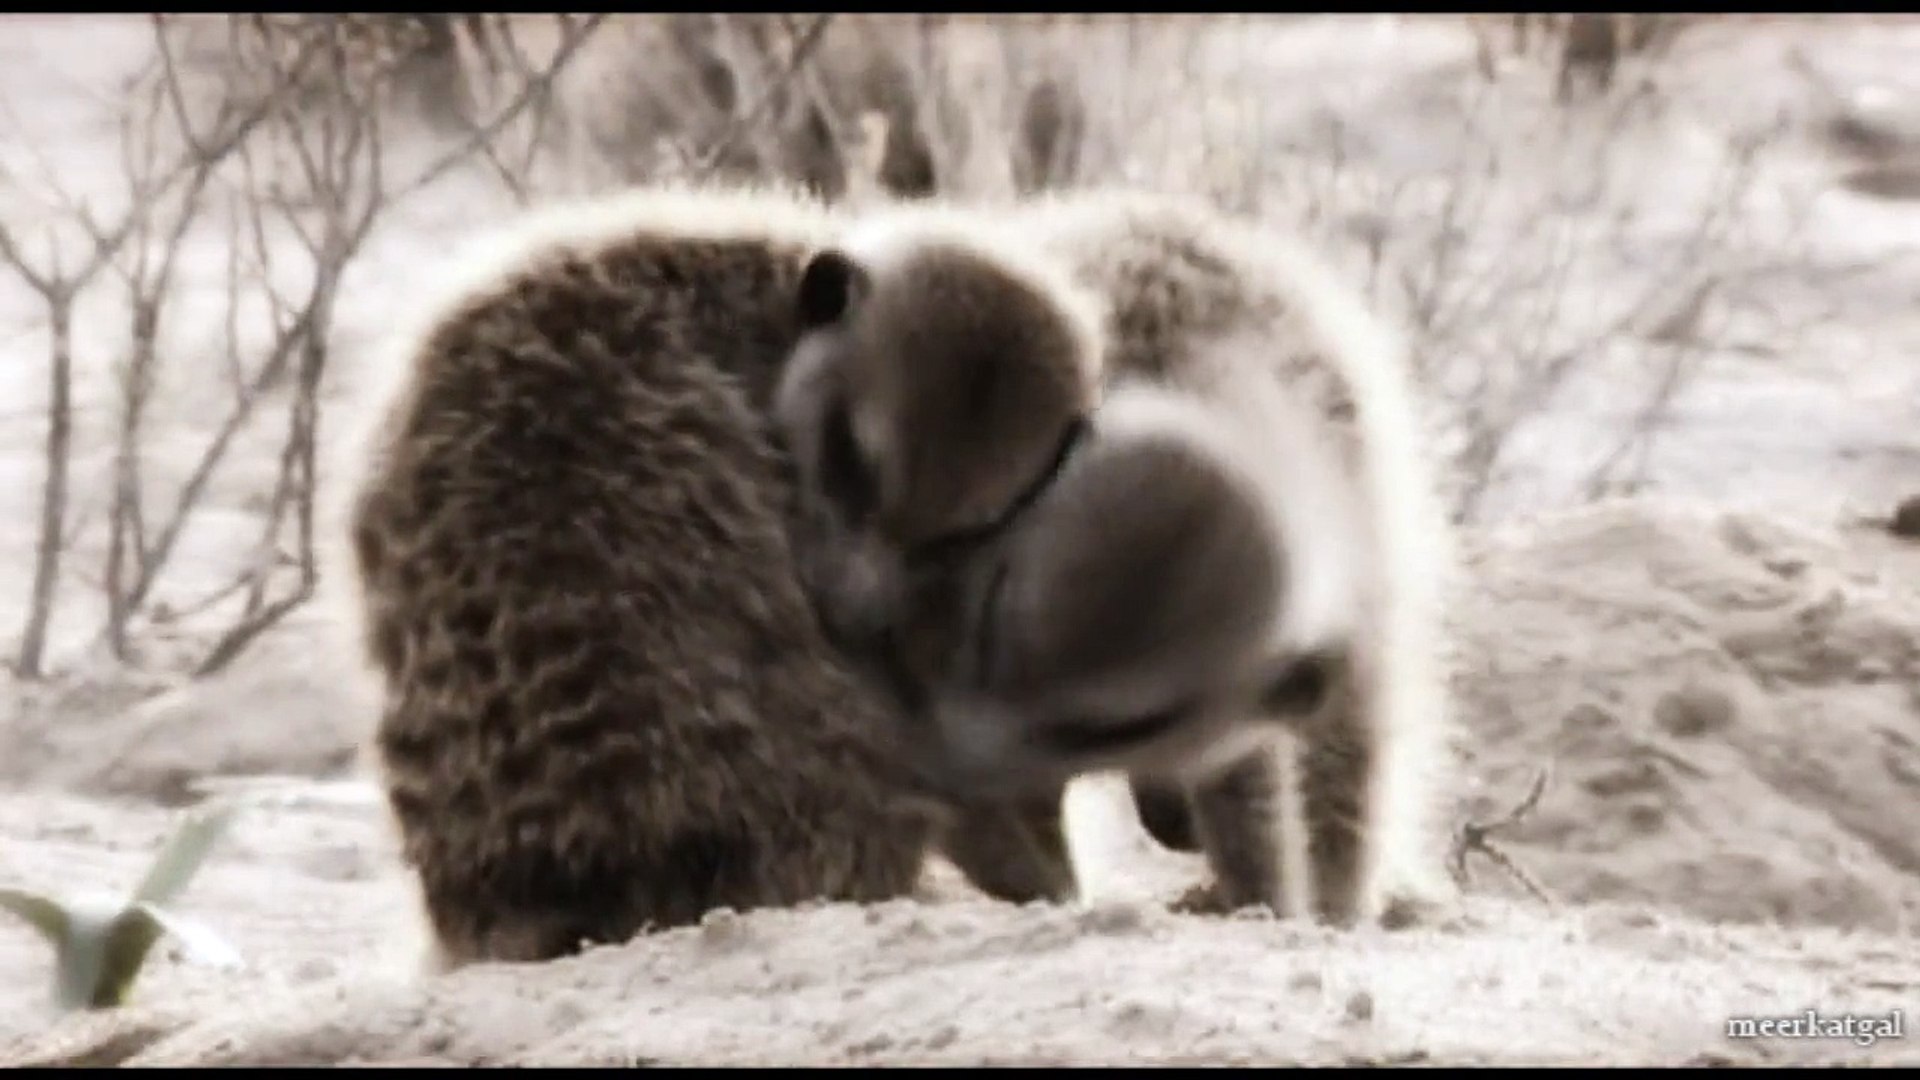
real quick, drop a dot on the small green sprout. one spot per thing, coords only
(101, 941)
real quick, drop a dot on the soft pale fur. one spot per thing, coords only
(1190, 299)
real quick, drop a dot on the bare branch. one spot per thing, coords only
(235, 641)
(234, 132)
(743, 122)
(53, 499)
(40, 283)
(210, 458)
(1476, 837)
(535, 88)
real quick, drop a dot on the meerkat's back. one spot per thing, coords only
(607, 704)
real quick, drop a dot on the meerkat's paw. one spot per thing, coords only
(1418, 905)
(1408, 911)
(1201, 899)
(1207, 899)
(1402, 908)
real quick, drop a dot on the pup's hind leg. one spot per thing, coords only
(1340, 768)
(1248, 821)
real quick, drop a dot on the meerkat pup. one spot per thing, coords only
(608, 705)
(1005, 369)
(1187, 300)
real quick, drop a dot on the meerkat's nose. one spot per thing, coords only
(877, 567)
(866, 587)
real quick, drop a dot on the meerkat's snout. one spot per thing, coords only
(862, 590)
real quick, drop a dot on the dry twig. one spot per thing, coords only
(743, 123)
(1476, 836)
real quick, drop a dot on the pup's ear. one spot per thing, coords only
(831, 285)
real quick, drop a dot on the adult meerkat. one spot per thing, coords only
(1191, 301)
(608, 705)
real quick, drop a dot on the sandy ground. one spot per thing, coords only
(1722, 678)
(1726, 704)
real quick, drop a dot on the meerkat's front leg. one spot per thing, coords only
(1247, 820)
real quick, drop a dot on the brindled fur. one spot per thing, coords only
(607, 704)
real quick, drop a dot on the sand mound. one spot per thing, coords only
(1727, 703)
(282, 711)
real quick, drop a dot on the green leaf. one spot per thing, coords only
(101, 943)
(47, 915)
(200, 943)
(118, 954)
(77, 974)
(176, 864)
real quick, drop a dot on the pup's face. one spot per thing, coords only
(925, 401)
(1131, 620)
(1126, 617)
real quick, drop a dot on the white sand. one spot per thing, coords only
(1781, 824)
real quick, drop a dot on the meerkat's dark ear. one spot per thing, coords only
(831, 284)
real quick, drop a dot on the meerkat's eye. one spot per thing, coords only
(1084, 737)
(1302, 685)
(845, 479)
(831, 283)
